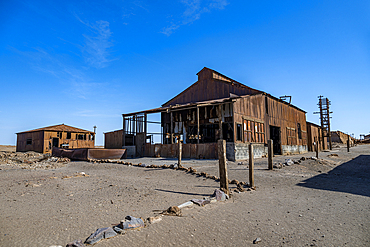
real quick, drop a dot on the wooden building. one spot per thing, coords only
(218, 107)
(44, 139)
(315, 137)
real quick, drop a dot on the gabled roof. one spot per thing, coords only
(59, 128)
(219, 77)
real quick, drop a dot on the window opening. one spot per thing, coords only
(238, 132)
(29, 141)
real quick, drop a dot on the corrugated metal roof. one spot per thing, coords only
(60, 128)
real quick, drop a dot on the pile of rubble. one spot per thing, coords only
(31, 160)
(289, 162)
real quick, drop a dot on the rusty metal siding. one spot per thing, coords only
(209, 88)
(113, 139)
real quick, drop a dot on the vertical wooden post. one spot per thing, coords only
(180, 153)
(145, 131)
(171, 132)
(124, 132)
(198, 127)
(251, 166)
(317, 149)
(220, 121)
(270, 153)
(348, 143)
(224, 184)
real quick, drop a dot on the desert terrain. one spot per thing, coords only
(51, 202)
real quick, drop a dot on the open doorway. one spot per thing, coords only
(275, 137)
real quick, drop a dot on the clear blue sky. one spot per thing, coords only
(84, 63)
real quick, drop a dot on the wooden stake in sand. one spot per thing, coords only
(251, 166)
(180, 154)
(317, 150)
(224, 184)
(348, 144)
(269, 144)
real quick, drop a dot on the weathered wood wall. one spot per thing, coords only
(314, 134)
(113, 139)
(42, 141)
(271, 111)
(189, 151)
(37, 142)
(73, 142)
(285, 116)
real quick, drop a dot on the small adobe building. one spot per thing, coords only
(44, 139)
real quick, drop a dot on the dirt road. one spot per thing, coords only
(323, 202)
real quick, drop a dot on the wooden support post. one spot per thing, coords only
(220, 121)
(124, 132)
(270, 153)
(317, 149)
(180, 153)
(348, 144)
(251, 166)
(224, 184)
(198, 127)
(171, 132)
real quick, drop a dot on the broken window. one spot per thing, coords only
(299, 131)
(69, 135)
(80, 136)
(238, 132)
(59, 135)
(29, 141)
(254, 131)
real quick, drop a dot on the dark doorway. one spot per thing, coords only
(275, 137)
(55, 142)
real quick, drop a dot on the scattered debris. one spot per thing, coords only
(220, 195)
(289, 162)
(76, 243)
(99, 234)
(201, 202)
(257, 240)
(333, 155)
(155, 219)
(173, 211)
(129, 223)
(31, 160)
(186, 204)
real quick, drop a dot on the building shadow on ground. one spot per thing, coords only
(351, 177)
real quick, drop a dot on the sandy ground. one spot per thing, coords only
(314, 203)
